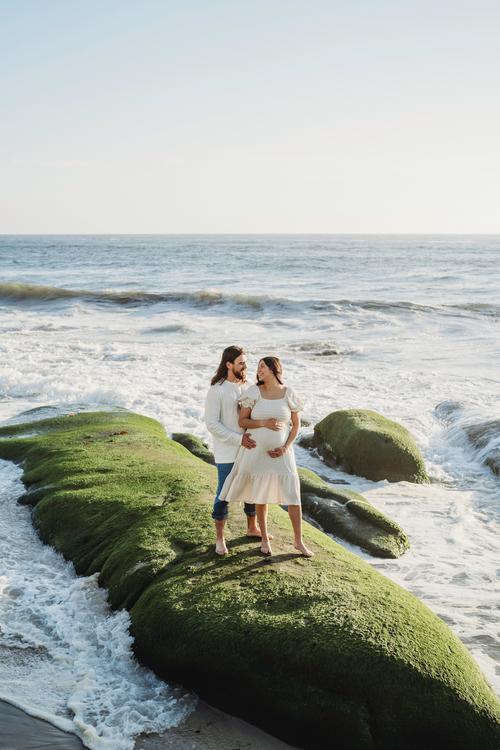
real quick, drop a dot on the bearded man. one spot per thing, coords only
(221, 419)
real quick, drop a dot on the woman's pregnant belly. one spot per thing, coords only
(267, 439)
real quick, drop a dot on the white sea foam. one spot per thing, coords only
(66, 657)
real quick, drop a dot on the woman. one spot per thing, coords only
(267, 473)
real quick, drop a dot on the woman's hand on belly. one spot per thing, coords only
(277, 452)
(273, 424)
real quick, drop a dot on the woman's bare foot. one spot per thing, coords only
(304, 551)
(265, 549)
(220, 547)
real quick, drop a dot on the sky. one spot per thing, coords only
(225, 116)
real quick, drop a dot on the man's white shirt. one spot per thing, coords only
(221, 418)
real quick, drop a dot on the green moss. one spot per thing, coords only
(350, 516)
(104, 487)
(323, 652)
(194, 445)
(369, 445)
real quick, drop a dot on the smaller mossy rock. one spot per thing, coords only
(368, 444)
(195, 445)
(352, 517)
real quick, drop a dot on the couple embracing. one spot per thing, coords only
(253, 429)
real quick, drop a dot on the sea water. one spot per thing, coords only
(397, 324)
(65, 657)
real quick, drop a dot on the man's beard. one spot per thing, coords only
(241, 375)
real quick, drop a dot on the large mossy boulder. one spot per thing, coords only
(326, 652)
(351, 516)
(368, 444)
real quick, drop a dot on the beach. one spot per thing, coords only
(399, 325)
(206, 728)
(20, 731)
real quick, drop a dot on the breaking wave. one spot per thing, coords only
(474, 431)
(208, 298)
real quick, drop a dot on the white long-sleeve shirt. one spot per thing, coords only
(221, 418)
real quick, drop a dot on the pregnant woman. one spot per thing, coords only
(267, 473)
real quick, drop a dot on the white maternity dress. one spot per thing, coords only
(255, 476)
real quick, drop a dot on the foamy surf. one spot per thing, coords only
(66, 657)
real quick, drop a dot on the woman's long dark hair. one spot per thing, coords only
(230, 354)
(275, 365)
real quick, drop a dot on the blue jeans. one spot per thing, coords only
(220, 510)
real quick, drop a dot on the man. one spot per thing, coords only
(221, 418)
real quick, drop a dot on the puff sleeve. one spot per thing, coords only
(294, 401)
(249, 397)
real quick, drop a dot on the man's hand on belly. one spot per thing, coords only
(247, 441)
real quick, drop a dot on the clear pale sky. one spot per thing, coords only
(229, 116)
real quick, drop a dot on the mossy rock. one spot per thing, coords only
(324, 652)
(195, 445)
(351, 516)
(365, 443)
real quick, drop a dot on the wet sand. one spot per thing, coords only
(206, 728)
(19, 731)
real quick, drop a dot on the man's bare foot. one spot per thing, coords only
(304, 551)
(257, 533)
(265, 549)
(220, 547)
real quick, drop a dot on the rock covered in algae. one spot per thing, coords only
(351, 516)
(195, 445)
(325, 653)
(368, 444)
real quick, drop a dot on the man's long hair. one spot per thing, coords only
(230, 354)
(275, 366)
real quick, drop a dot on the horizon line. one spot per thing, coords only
(249, 234)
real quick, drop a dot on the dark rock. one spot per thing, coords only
(350, 516)
(485, 436)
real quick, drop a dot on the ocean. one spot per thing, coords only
(397, 324)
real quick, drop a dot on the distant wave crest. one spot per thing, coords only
(478, 307)
(207, 298)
